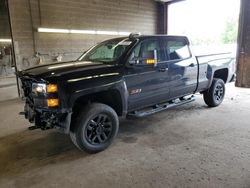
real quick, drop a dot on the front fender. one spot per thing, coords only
(117, 84)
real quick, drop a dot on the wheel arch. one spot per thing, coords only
(221, 74)
(112, 97)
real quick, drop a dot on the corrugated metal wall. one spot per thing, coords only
(110, 15)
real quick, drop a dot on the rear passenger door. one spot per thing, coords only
(182, 67)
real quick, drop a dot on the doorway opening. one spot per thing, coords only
(211, 25)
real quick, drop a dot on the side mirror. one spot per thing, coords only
(151, 57)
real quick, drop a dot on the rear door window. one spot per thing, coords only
(176, 49)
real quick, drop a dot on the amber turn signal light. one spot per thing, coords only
(53, 102)
(52, 88)
(151, 61)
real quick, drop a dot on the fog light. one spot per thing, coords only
(53, 102)
(52, 88)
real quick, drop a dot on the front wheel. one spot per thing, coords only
(96, 127)
(215, 94)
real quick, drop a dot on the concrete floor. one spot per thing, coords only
(189, 146)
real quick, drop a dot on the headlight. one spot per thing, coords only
(38, 88)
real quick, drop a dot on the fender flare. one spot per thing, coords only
(120, 86)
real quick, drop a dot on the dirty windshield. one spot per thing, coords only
(107, 51)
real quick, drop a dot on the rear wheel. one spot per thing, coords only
(96, 127)
(215, 94)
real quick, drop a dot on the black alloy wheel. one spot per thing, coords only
(96, 127)
(218, 92)
(215, 94)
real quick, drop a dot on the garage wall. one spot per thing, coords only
(4, 20)
(107, 15)
(21, 30)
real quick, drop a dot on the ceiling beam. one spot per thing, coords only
(169, 1)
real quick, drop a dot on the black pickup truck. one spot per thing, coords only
(130, 76)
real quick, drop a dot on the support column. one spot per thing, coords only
(243, 52)
(162, 18)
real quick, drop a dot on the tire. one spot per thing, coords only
(96, 127)
(215, 94)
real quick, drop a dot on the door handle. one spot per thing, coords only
(191, 65)
(163, 69)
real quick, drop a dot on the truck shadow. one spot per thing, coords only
(144, 124)
(23, 151)
(27, 150)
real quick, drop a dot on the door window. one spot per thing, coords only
(145, 50)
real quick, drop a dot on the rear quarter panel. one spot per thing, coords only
(208, 65)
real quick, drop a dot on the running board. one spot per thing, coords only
(160, 107)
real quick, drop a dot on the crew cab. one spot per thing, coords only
(131, 76)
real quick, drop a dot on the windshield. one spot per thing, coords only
(107, 51)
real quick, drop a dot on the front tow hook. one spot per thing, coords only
(22, 113)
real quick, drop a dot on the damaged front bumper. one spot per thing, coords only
(37, 109)
(48, 118)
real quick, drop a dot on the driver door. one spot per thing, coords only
(147, 77)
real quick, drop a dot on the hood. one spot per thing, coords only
(66, 70)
